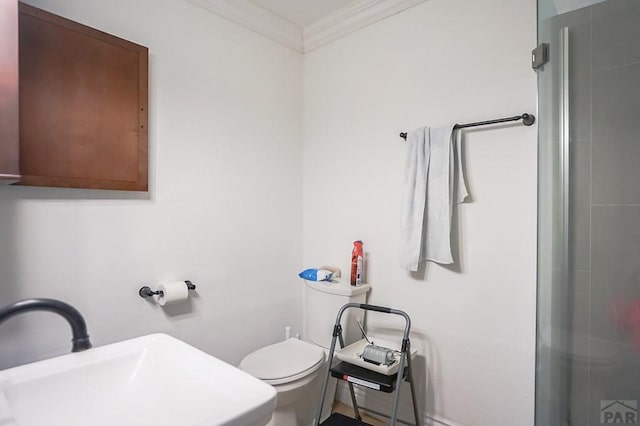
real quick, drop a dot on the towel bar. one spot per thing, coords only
(527, 120)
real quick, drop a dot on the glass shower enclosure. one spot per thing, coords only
(588, 331)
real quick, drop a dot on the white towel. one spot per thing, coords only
(414, 192)
(444, 179)
(432, 177)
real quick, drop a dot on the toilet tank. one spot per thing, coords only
(322, 301)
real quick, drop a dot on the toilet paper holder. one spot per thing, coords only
(147, 292)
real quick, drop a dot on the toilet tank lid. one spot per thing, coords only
(341, 288)
(282, 360)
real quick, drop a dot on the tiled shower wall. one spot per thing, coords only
(604, 203)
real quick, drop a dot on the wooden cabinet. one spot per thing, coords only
(9, 166)
(83, 105)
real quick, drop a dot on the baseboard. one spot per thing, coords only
(382, 402)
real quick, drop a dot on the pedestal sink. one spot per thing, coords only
(151, 380)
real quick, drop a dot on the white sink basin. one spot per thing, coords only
(152, 380)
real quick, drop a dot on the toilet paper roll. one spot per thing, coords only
(173, 292)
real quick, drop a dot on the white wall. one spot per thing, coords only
(224, 210)
(439, 62)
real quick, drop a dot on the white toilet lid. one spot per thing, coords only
(283, 361)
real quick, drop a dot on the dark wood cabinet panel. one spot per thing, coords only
(83, 105)
(9, 136)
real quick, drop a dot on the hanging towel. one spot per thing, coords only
(414, 193)
(444, 181)
(432, 179)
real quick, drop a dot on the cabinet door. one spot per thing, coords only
(83, 105)
(9, 90)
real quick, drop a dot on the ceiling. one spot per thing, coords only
(305, 25)
(302, 12)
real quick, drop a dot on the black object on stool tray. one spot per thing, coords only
(364, 377)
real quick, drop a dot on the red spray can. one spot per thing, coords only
(357, 263)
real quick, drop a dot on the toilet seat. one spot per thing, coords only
(283, 362)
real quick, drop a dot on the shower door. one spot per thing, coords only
(588, 331)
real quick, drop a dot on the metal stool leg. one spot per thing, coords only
(337, 330)
(413, 390)
(356, 411)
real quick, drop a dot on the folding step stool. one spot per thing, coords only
(371, 379)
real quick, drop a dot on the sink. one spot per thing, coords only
(151, 380)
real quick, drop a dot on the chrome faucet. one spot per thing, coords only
(80, 338)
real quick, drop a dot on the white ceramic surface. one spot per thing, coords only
(151, 380)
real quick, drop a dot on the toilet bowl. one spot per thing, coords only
(296, 368)
(293, 368)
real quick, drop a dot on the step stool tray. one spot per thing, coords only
(352, 354)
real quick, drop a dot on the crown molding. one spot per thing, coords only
(258, 19)
(338, 24)
(351, 18)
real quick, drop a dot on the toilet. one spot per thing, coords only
(296, 368)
